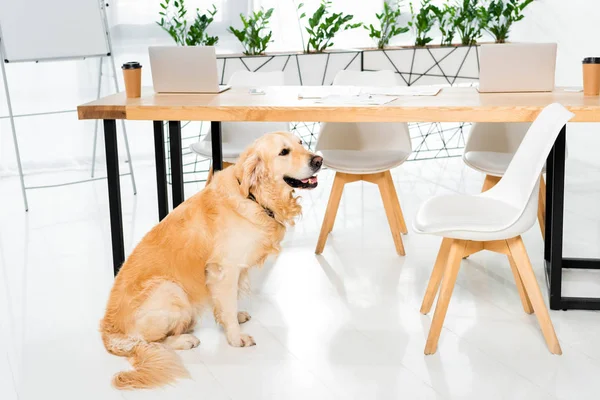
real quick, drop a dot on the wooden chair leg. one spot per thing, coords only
(520, 288)
(542, 207)
(436, 275)
(519, 254)
(391, 208)
(489, 182)
(331, 211)
(472, 248)
(457, 249)
(345, 178)
(395, 202)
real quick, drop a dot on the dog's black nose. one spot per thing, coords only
(316, 162)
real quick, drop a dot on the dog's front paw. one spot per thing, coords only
(243, 317)
(241, 341)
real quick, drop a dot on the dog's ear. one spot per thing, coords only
(253, 172)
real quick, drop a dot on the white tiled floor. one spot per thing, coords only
(342, 325)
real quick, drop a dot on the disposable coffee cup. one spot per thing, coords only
(132, 73)
(591, 76)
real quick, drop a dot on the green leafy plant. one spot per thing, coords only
(299, 18)
(422, 22)
(388, 25)
(445, 17)
(173, 20)
(323, 26)
(252, 35)
(469, 21)
(500, 15)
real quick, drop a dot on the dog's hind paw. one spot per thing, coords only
(243, 317)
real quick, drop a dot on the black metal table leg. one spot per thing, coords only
(176, 162)
(553, 255)
(217, 145)
(114, 193)
(554, 214)
(161, 170)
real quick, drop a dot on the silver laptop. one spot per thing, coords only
(184, 69)
(517, 67)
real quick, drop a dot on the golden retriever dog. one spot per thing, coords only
(199, 256)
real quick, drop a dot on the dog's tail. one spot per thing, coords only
(154, 364)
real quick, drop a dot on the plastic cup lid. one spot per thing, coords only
(136, 65)
(591, 60)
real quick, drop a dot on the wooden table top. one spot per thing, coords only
(281, 103)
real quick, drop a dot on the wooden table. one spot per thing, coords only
(282, 104)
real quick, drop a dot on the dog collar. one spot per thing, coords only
(269, 212)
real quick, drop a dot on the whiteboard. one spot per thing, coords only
(37, 30)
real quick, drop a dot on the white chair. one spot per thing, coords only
(490, 148)
(493, 220)
(364, 152)
(236, 136)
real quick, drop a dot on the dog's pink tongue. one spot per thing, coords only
(311, 180)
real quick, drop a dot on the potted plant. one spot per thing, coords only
(499, 16)
(469, 22)
(445, 17)
(422, 22)
(388, 25)
(252, 35)
(317, 65)
(173, 21)
(323, 25)
(423, 63)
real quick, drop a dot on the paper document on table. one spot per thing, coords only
(320, 92)
(402, 90)
(359, 100)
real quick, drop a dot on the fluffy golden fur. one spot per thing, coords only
(199, 256)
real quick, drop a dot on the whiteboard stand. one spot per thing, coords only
(116, 81)
(14, 134)
(12, 117)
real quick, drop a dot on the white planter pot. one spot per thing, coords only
(427, 65)
(299, 68)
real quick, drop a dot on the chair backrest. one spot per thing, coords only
(496, 136)
(244, 133)
(365, 135)
(523, 173)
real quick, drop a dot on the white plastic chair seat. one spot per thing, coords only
(363, 161)
(479, 218)
(489, 162)
(510, 207)
(231, 151)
